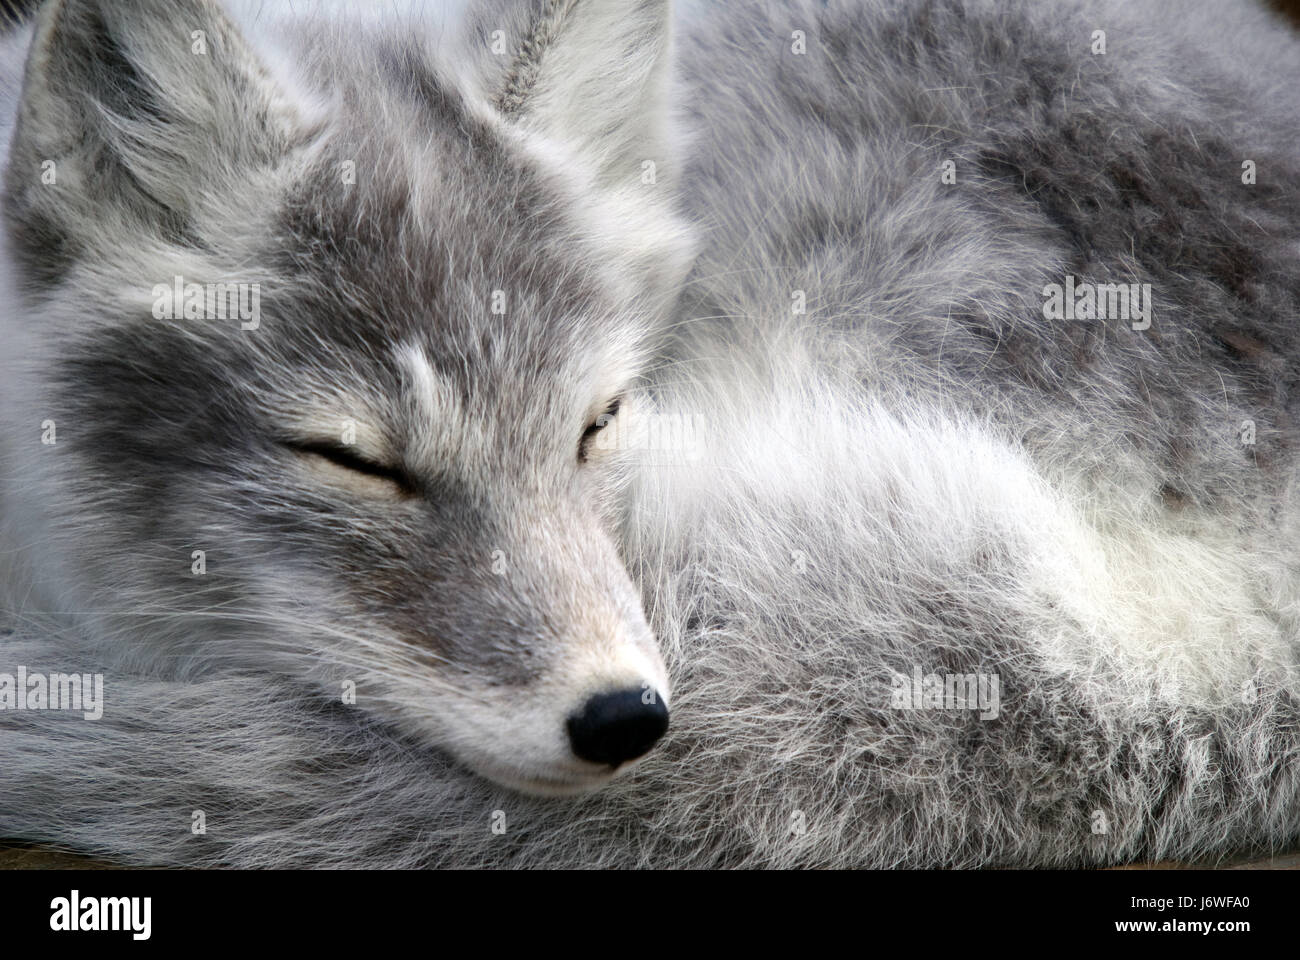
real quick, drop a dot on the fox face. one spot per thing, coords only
(328, 347)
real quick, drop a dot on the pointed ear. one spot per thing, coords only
(592, 73)
(593, 78)
(137, 121)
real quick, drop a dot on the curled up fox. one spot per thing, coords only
(656, 429)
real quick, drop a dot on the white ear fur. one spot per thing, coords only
(591, 74)
(595, 74)
(587, 83)
(148, 113)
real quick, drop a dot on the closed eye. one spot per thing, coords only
(596, 426)
(347, 459)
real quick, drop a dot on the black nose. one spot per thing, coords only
(616, 727)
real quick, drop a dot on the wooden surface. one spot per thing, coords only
(38, 858)
(1287, 861)
(35, 858)
(1289, 7)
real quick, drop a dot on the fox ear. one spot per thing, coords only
(593, 73)
(136, 120)
(594, 76)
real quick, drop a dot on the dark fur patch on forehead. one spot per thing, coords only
(431, 228)
(407, 71)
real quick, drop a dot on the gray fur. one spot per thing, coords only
(920, 472)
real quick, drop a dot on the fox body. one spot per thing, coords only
(706, 356)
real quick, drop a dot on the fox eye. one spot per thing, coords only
(596, 426)
(346, 459)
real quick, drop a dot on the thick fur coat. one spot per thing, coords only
(810, 247)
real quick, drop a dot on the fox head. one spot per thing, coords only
(315, 328)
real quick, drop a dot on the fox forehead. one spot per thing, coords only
(463, 265)
(412, 179)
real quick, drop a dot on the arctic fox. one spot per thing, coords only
(405, 413)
